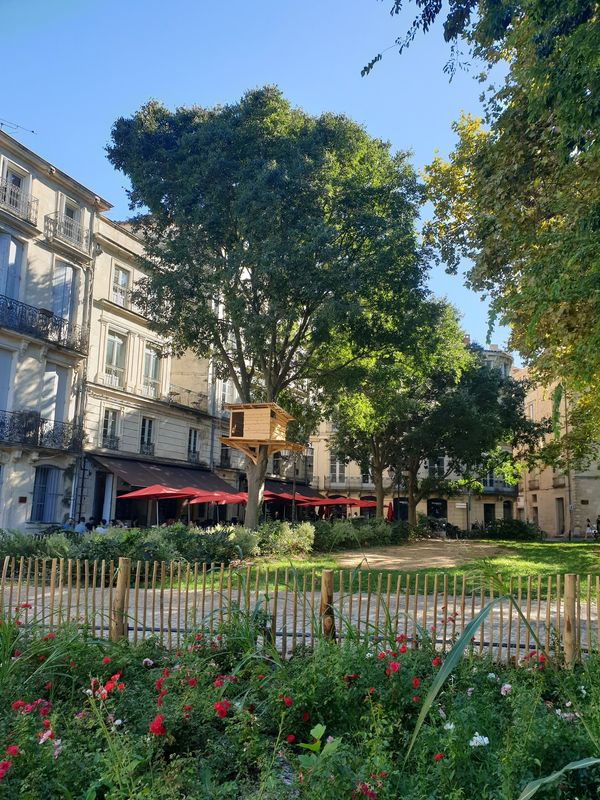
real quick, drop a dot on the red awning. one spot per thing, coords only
(221, 498)
(158, 492)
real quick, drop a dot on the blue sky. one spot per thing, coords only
(72, 67)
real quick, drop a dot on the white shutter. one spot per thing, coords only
(50, 501)
(49, 393)
(5, 369)
(62, 286)
(13, 275)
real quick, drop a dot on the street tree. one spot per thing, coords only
(369, 397)
(266, 231)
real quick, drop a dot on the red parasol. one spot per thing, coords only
(158, 492)
(390, 512)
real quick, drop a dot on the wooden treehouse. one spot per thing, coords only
(256, 425)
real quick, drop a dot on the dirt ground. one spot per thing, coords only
(429, 554)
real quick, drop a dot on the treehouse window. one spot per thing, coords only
(237, 423)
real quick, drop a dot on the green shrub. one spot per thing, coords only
(98, 546)
(58, 546)
(15, 543)
(149, 545)
(513, 529)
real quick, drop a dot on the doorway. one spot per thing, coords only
(560, 516)
(489, 513)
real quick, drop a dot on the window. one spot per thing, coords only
(488, 480)
(45, 494)
(110, 429)
(337, 470)
(11, 256)
(225, 456)
(278, 464)
(114, 369)
(62, 289)
(120, 287)
(437, 466)
(15, 185)
(150, 384)
(194, 445)
(147, 437)
(365, 473)
(6, 358)
(309, 463)
(237, 423)
(530, 412)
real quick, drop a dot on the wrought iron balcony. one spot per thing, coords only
(110, 442)
(147, 448)
(14, 200)
(150, 388)
(559, 481)
(193, 456)
(533, 483)
(113, 376)
(68, 230)
(42, 324)
(180, 396)
(30, 429)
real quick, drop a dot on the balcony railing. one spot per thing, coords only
(533, 483)
(147, 448)
(150, 388)
(30, 429)
(68, 230)
(113, 376)
(193, 457)
(559, 481)
(110, 442)
(17, 202)
(42, 324)
(120, 296)
(498, 486)
(178, 395)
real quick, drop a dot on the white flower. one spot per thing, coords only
(45, 736)
(491, 676)
(118, 722)
(583, 691)
(89, 692)
(147, 662)
(57, 748)
(442, 713)
(470, 691)
(369, 655)
(505, 689)
(478, 740)
(448, 726)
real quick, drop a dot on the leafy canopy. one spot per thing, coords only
(266, 231)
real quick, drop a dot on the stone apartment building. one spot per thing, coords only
(334, 477)
(47, 256)
(558, 502)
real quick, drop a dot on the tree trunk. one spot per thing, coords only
(379, 492)
(255, 474)
(412, 500)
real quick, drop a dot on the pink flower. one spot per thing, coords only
(12, 750)
(505, 689)
(415, 683)
(394, 665)
(4, 767)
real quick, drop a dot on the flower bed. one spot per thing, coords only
(221, 718)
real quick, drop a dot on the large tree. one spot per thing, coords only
(265, 231)
(452, 405)
(366, 398)
(520, 194)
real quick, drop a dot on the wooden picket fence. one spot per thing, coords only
(291, 608)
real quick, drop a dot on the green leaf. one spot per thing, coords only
(318, 731)
(532, 787)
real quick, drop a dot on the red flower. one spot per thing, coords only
(218, 682)
(4, 767)
(160, 698)
(287, 701)
(48, 636)
(435, 662)
(192, 682)
(371, 690)
(438, 756)
(290, 739)
(394, 665)
(259, 677)
(72, 664)
(416, 698)
(305, 716)
(16, 653)
(106, 660)
(221, 708)
(48, 685)
(402, 648)
(18, 704)
(120, 686)
(12, 750)
(197, 637)
(46, 724)
(415, 683)
(187, 708)
(26, 605)
(156, 727)
(40, 658)
(541, 658)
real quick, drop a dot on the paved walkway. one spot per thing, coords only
(425, 554)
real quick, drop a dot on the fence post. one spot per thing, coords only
(118, 617)
(570, 620)
(326, 611)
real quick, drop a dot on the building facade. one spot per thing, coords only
(560, 503)
(47, 256)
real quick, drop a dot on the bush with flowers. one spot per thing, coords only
(224, 717)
